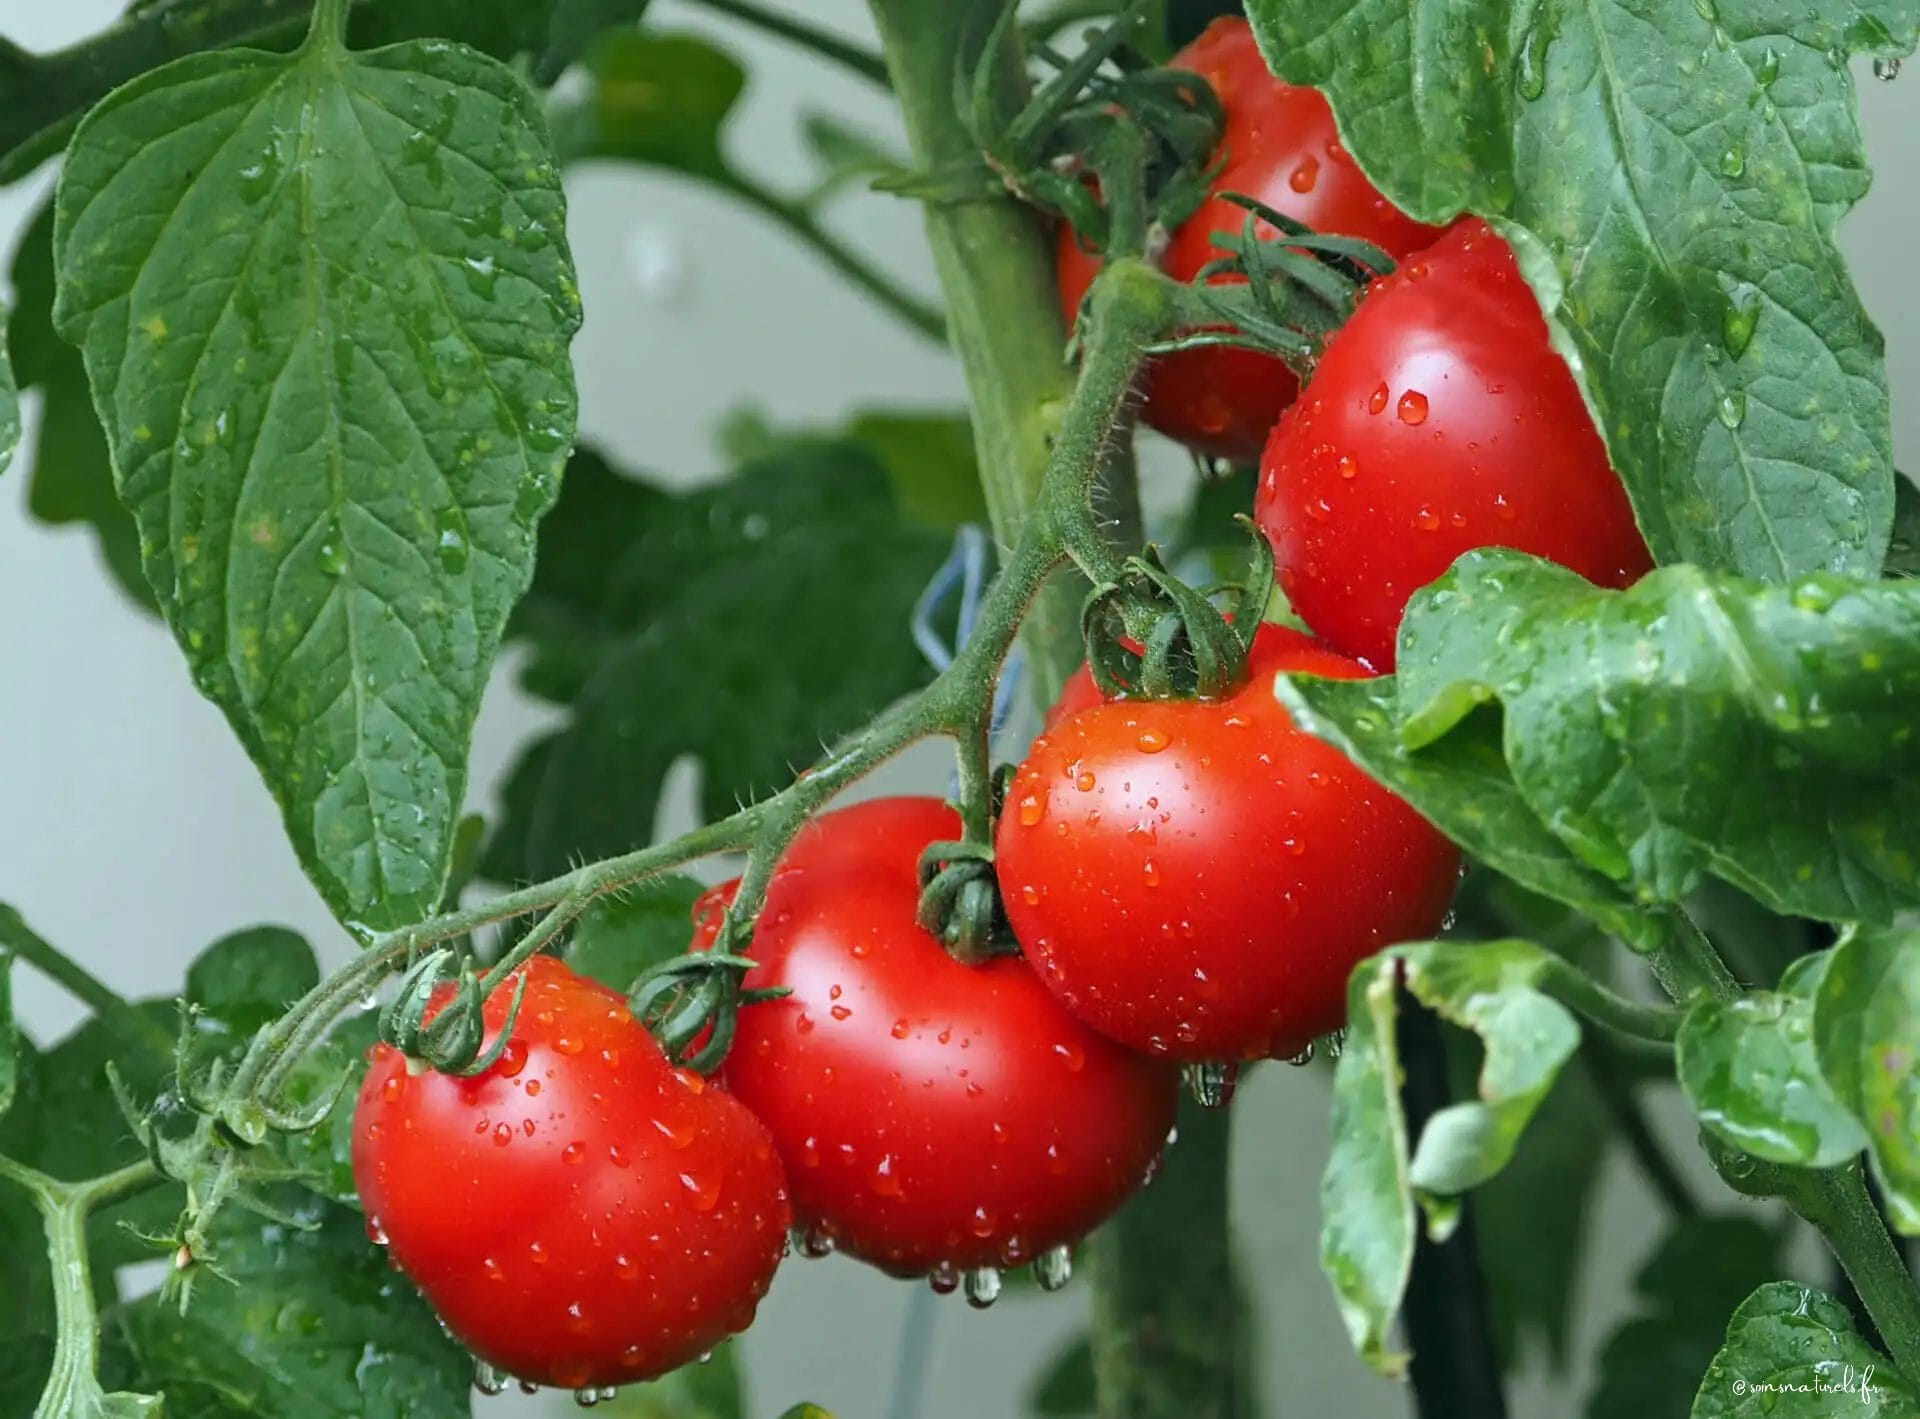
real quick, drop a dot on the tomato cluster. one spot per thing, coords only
(1186, 880)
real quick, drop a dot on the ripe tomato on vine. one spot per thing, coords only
(1280, 147)
(934, 1116)
(1197, 879)
(580, 1213)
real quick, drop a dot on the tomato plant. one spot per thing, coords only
(1189, 878)
(934, 1116)
(580, 1213)
(1278, 146)
(1438, 421)
(1588, 505)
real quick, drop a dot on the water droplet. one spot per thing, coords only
(454, 549)
(376, 1233)
(1305, 175)
(983, 1286)
(1709, 11)
(575, 1152)
(1769, 67)
(1887, 68)
(982, 1223)
(1151, 741)
(1378, 401)
(815, 1242)
(1530, 70)
(489, 1379)
(944, 1279)
(1740, 316)
(1084, 781)
(1305, 1057)
(1733, 408)
(1053, 1268)
(1347, 466)
(1733, 162)
(1071, 1055)
(705, 1192)
(1413, 408)
(502, 1135)
(333, 556)
(1030, 810)
(1212, 1082)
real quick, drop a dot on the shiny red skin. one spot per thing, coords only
(1197, 880)
(1280, 146)
(582, 1213)
(1439, 420)
(931, 1114)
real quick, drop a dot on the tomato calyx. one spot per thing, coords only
(960, 902)
(1151, 636)
(691, 1004)
(1117, 147)
(1279, 288)
(447, 1033)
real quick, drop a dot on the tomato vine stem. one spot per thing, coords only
(73, 1386)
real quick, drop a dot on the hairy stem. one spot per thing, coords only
(996, 267)
(134, 1029)
(1837, 1202)
(72, 1386)
(1171, 1334)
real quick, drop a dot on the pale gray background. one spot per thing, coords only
(133, 830)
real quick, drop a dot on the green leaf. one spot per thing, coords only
(1903, 552)
(620, 936)
(1793, 1351)
(927, 455)
(325, 302)
(314, 1326)
(806, 1411)
(1367, 1194)
(1749, 1069)
(250, 977)
(1866, 1030)
(653, 98)
(9, 403)
(1672, 176)
(574, 27)
(744, 625)
(1463, 786)
(1696, 1276)
(1065, 1389)
(1692, 725)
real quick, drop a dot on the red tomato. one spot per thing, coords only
(1197, 879)
(582, 1213)
(1439, 420)
(932, 1115)
(1281, 147)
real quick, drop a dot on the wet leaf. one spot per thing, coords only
(1793, 1351)
(1672, 176)
(250, 977)
(1749, 1069)
(1866, 1030)
(1375, 1173)
(325, 301)
(1694, 725)
(314, 1326)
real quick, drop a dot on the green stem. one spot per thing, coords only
(1171, 1338)
(1837, 1202)
(995, 263)
(134, 1029)
(328, 32)
(72, 1386)
(799, 221)
(1573, 987)
(849, 56)
(1687, 966)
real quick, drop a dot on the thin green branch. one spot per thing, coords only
(799, 221)
(73, 1386)
(1574, 988)
(829, 46)
(136, 1030)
